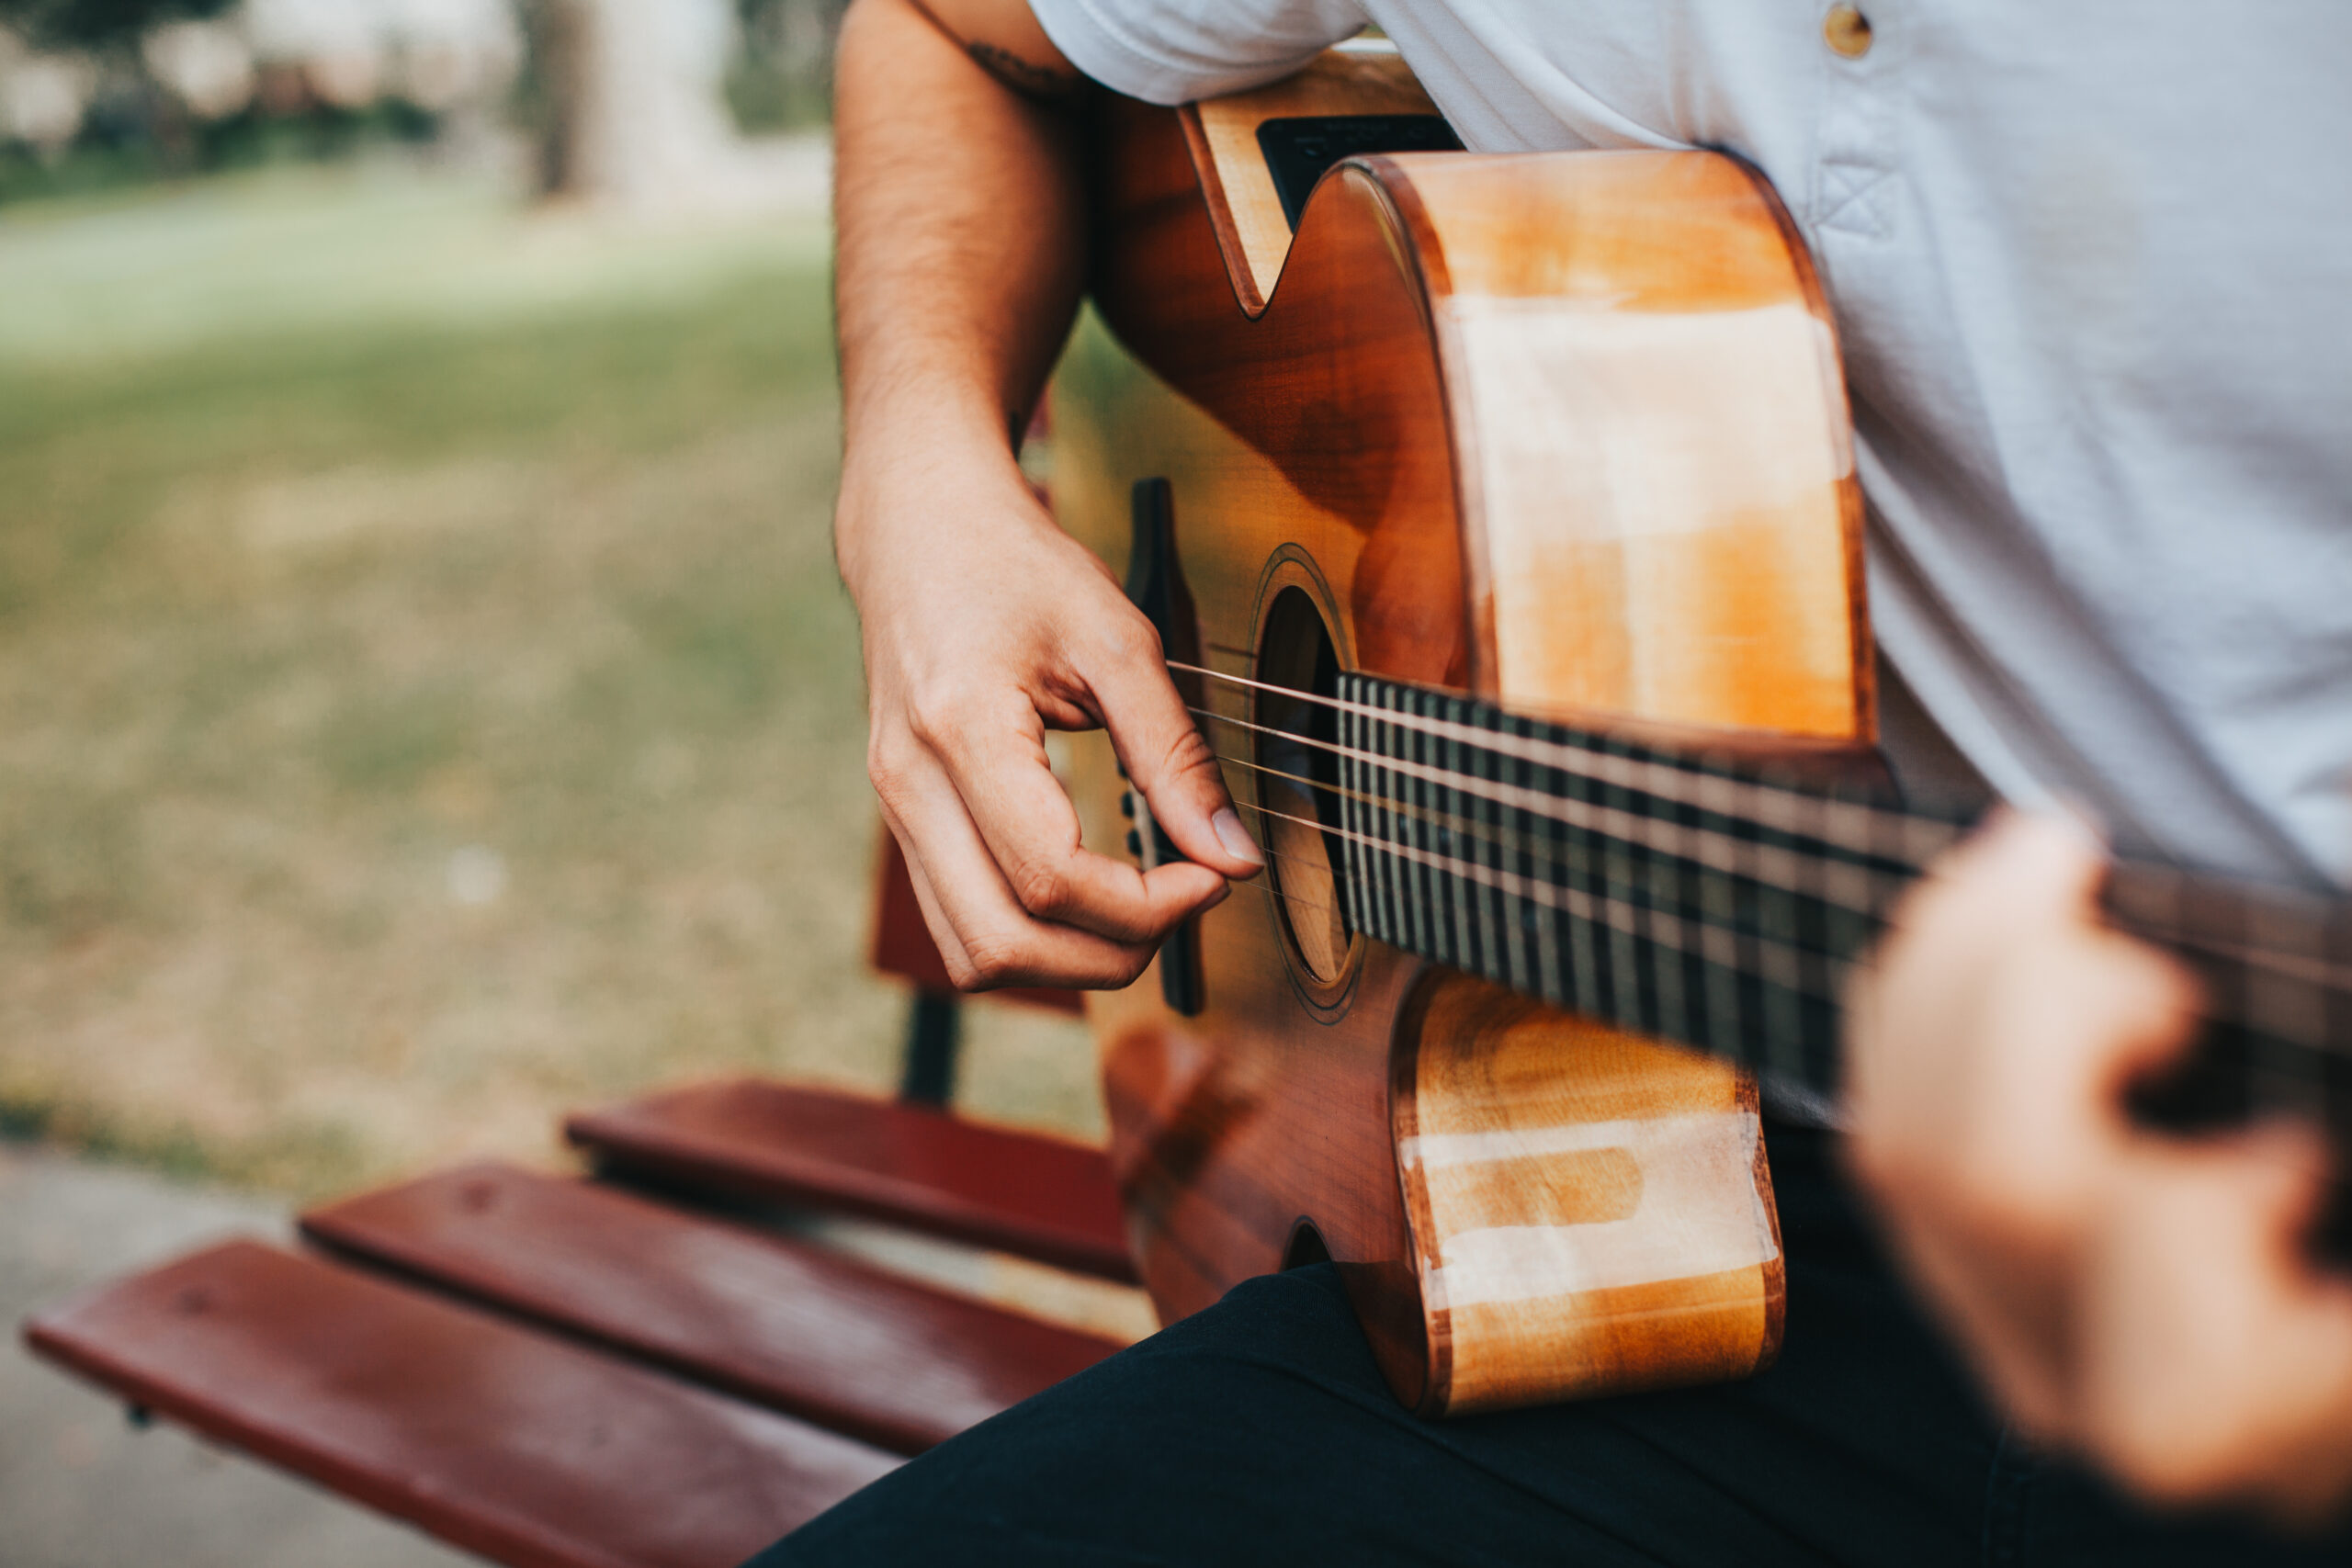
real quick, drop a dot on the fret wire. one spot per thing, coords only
(2307, 969)
(1351, 813)
(1811, 896)
(1600, 911)
(1376, 866)
(1469, 900)
(1394, 869)
(1509, 937)
(1625, 979)
(1391, 901)
(1426, 882)
(1368, 773)
(1416, 915)
(1749, 934)
(1481, 901)
(1782, 1023)
(2279, 1005)
(1722, 953)
(1670, 779)
(1585, 939)
(2288, 981)
(1547, 921)
(1524, 926)
(1611, 822)
(1657, 929)
(1666, 904)
(1447, 889)
(1773, 863)
(1528, 841)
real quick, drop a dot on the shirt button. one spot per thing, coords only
(1847, 31)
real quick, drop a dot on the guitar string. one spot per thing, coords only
(1778, 865)
(1285, 897)
(1856, 829)
(2267, 975)
(1923, 836)
(1720, 853)
(1742, 1048)
(1596, 909)
(1853, 824)
(1519, 847)
(1778, 868)
(2305, 1072)
(1542, 954)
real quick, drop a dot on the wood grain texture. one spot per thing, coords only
(1037, 1197)
(794, 1327)
(1596, 1206)
(1456, 393)
(1253, 235)
(1655, 462)
(511, 1444)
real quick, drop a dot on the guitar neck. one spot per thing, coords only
(1723, 906)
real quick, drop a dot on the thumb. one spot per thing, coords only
(1170, 760)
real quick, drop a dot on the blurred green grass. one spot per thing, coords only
(426, 701)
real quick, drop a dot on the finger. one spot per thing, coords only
(1951, 1012)
(1168, 759)
(994, 754)
(2115, 1008)
(989, 939)
(2011, 1322)
(2218, 1359)
(2041, 866)
(935, 916)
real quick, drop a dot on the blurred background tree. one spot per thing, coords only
(628, 103)
(97, 23)
(429, 701)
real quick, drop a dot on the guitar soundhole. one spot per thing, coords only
(1298, 783)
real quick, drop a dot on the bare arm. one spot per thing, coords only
(961, 249)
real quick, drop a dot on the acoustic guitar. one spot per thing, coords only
(1498, 517)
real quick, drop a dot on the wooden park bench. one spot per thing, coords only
(624, 1371)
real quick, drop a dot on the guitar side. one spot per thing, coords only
(1458, 441)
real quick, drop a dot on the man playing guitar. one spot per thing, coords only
(2095, 343)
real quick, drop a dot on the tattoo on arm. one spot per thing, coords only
(1024, 76)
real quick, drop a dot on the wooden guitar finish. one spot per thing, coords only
(1567, 431)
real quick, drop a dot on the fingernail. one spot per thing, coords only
(1235, 837)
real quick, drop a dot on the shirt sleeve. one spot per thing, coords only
(1172, 51)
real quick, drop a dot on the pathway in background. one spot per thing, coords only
(80, 1487)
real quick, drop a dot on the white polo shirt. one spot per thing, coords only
(2092, 263)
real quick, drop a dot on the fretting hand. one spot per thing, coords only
(2143, 1301)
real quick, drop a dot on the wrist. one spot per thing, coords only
(899, 490)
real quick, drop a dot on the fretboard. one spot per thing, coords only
(1721, 905)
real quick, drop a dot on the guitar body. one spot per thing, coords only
(1566, 431)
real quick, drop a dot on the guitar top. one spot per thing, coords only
(1498, 517)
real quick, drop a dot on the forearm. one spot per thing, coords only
(960, 242)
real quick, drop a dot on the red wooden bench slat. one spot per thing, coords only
(524, 1448)
(798, 1326)
(928, 1171)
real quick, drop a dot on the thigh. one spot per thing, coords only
(1260, 1430)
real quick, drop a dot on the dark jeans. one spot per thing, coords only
(1259, 1431)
